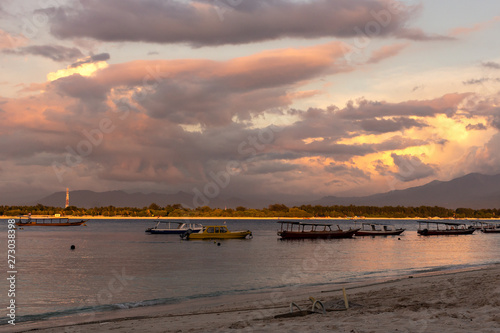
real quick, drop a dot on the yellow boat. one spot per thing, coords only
(216, 232)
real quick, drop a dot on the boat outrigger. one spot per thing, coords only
(48, 222)
(450, 228)
(216, 232)
(173, 227)
(304, 230)
(378, 229)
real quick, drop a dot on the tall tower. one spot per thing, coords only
(67, 198)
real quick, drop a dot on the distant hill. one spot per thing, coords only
(90, 199)
(474, 191)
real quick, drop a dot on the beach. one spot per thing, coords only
(449, 301)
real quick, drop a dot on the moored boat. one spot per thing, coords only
(216, 232)
(48, 222)
(447, 228)
(174, 227)
(378, 229)
(306, 230)
(490, 227)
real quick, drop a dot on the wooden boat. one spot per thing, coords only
(490, 227)
(172, 227)
(447, 228)
(304, 230)
(378, 229)
(48, 222)
(216, 232)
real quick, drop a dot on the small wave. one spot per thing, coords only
(87, 310)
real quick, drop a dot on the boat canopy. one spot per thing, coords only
(443, 222)
(305, 223)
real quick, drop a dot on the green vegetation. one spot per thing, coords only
(276, 210)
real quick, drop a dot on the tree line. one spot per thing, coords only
(274, 210)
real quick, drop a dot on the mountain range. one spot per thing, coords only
(474, 191)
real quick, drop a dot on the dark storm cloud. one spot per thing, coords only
(345, 170)
(389, 125)
(411, 168)
(446, 104)
(55, 52)
(476, 127)
(217, 22)
(269, 167)
(83, 88)
(91, 59)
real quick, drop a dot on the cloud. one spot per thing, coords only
(491, 64)
(389, 125)
(386, 52)
(476, 127)
(91, 59)
(475, 28)
(417, 34)
(343, 170)
(446, 104)
(268, 167)
(480, 80)
(411, 168)
(54, 52)
(484, 159)
(83, 67)
(211, 93)
(247, 21)
(8, 41)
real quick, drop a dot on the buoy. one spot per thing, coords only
(218, 244)
(72, 247)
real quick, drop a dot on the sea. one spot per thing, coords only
(116, 265)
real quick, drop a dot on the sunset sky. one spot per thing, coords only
(273, 98)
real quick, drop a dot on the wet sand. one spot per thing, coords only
(451, 301)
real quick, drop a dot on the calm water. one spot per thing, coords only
(117, 265)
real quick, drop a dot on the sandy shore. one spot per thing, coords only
(454, 301)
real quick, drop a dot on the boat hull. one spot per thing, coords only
(491, 231)
(380, 233)
(65, 224)
(426, 232)
(227, 235)
(317, 234)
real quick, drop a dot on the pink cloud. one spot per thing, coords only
(8, 41)
(386, 51)
(475, 28)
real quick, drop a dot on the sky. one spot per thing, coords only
(246, 98)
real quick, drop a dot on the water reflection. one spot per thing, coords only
(51, 277)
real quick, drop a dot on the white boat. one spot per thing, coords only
(378, 229)
(490, 227)
(174, 227)
(430, 228)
